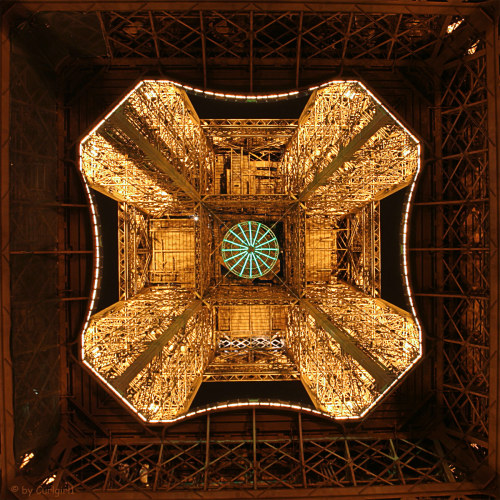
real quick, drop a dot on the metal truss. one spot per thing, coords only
(348, 249)
(335, 382)
(295, 249)
(248, 359)
(388, 333)
(347, 151)
(166, 118)
(257, 49)
(455, 246)
(293, 462)
(118, 339)
(121, 177)
(458, 293)
(134, 250)
(227, 295)
(358, 249)
(251, 344)
(262, 139)
(347, 123)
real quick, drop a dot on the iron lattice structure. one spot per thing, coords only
(346, 152)
(436, 436)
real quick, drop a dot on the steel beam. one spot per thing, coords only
(7, 463)
(119, 120)
(455, 7)
(379, 119)
(377, 370)
(155, 347)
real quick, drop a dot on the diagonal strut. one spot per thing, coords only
(119, 120)
(377, 370)
(380, 118)
(155, 347)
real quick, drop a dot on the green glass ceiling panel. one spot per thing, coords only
(250, 249)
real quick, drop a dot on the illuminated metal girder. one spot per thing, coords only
(336, 383)
(357, 238)
(388, 333)
(134, 250)
(120, 120)
(260, 138)
(153, 349)
(349, 344)
(125, 178)
(151, 152)
(257, 358)
(346, 153)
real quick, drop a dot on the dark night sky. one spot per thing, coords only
(392, 286)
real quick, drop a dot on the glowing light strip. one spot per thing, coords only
(248, 404)
(226, 95)
(97, 253)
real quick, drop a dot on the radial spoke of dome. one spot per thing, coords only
(265, 243)
(261, 259)
(377, 370)
(242, 270)
(155, 347)
(235, 265)
(257, 263)
(260, 252)
(243, 252)
(380, 118)
(244, 234)
(245, 244)
(259, 225)
(267, 232)
(119, 120)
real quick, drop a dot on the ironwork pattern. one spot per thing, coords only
(344, 466)
(342, 129)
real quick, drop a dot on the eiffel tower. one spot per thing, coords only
(246, 345)
(181, 318)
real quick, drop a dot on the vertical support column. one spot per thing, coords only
(62, 257)
(6, 380)
(254, 449)
(158, 468)
(203, 49)
(207, 453)
(299, 49)
(301, 449)
(492, 82)
(251, 35)
(437, 237)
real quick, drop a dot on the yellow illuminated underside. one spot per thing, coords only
(180, 319)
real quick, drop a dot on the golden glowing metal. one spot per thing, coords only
(177, 184)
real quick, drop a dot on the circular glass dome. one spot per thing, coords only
(250, 249)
